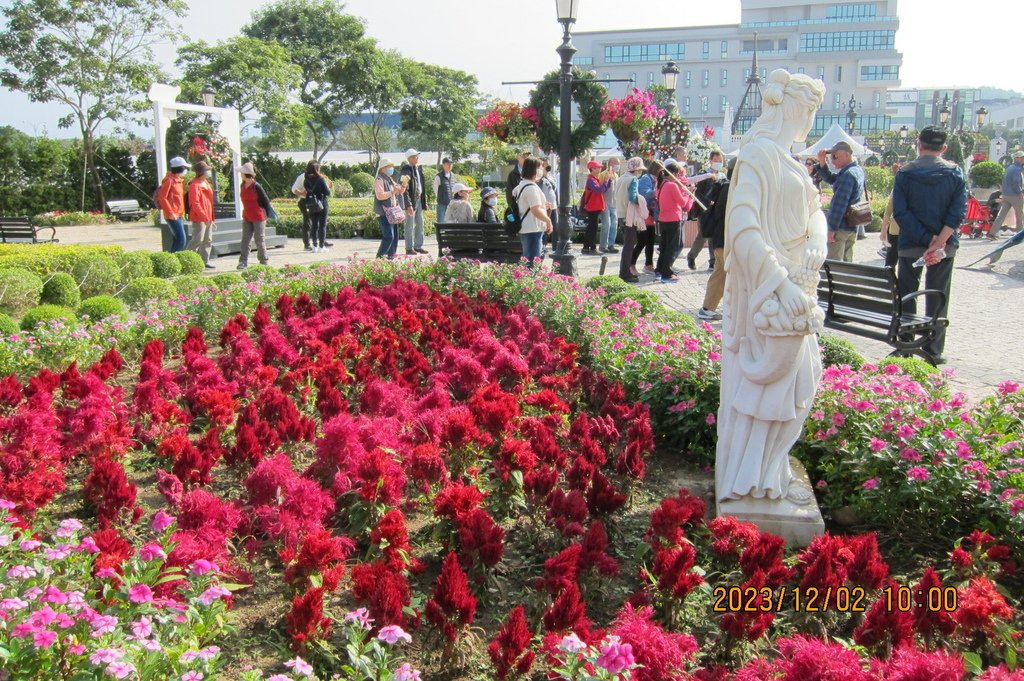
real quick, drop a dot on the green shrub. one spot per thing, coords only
(45, 313)
(19, 290)
(609, 283)
(101, 307)
(139, 292)
(96, 275)
(45, 259)
(987, 174)
(134, 265)
(362, 183)
(343, 189)
(649, 302)
(165, 265)
(915, 367)
(188, 283)
(228, 279)
(61, 289)
(7, 325)
(879, 181)
(836, 350)
(428, 177)
(191, 262)
(260, 272)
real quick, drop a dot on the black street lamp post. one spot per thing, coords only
(944, 112)
(671, 74)
(567, 11)
(851, 115)
(981, 115)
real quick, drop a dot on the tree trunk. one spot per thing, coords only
(89, 151)
(316, 139)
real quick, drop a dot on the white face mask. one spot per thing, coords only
(491, 201)
(716, 165)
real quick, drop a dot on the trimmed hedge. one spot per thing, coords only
(8, 326)
(837, 351)
(260, 273)
(134, 265)
(61, 289)
(189, 283)
(362, 183)
(916, 368)
(45, 259)
(139, 292)
(165, 265)
(191, 262)
(19, 290)
(101, 307)
(228, 279)
(96, 275)
(45, 313)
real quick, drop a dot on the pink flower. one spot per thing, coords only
(21, 572)
(161, 521)
(106, 573)
(192, 676)
(360, 617)
(870, 484)
(300, 666)
(29, 544)
(392, 634)
(143, 628)
(88, 545)
(279, 677)
(615, 656)
(103, 624)
(572, 644)
(407, 673)
(212, 594)
(876, 445)
(202, 566)
(1008, 387)
(140, 593)
(7, 505)
(44, 638)
(68, 527)
(919, 473)
(710, 419)
(120, 670)
(152, 551)
(106, 656)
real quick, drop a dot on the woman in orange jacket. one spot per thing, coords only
(170, 198)
(201, 212)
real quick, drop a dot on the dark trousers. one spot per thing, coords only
(937, 277)
(590, 236)
(626, 259)
(892, 255)
(318, 228)
(667, 250)
(645, 245)
(305, 222)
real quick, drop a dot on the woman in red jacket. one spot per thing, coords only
(201, 213)
(673, 204)
(255, 209)
(170, 199)
(593, 204)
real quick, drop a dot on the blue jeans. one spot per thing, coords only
(531, 246)
(177, 228)
(388, 238)
(442, 209)
(414, 229)
(613, 227)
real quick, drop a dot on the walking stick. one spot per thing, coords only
(681, 184)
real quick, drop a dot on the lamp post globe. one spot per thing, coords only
(981, 115)
(567, 10)
(944, 112)
(670, 72)
(209, 95)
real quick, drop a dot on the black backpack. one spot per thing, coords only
(513, 221)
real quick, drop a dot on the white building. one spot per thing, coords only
(850, 46)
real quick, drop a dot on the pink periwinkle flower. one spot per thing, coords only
(572, 644)
(7, 505)
(106, 573)
(120, 670)
(360, 617)
(143, 628)
(616, 656)
(152, 551)
(192, 676)
(407, 673)
(1008, 387)
(54, 595)
(106, 656)
(392, 634)
(88, 545)
(68, 527)
(103, 624)
(44, 638)
(300, 666)
(278, 677)
(870, 484)
(161, 521)
(212, 594)
(140, 593)
(710, 419)
(202, 566)
(21, 572)
(876, 445)
(29, 544)
(919, 473)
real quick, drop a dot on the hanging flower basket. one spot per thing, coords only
(509, 122)
(213, 148)
(629, 117)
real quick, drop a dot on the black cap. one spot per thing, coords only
(932, 135)
(445, 160)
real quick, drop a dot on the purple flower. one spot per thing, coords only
(392, 634)
(615, 656)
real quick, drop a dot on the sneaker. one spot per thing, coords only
(710, 315)
(691, 262)
(657, 278)
(308, 249)
(711, 265)
(650, 269)
(327, 244)
(634, 271)
(410, 251)
(601, 249)
(669, 280)
(241, 266)
(209, 266)
(632, 279)
(611, 249)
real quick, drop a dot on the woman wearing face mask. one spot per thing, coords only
(459, 211)
(387, 191)
(170, 198)
(200, 212)
(488, 206)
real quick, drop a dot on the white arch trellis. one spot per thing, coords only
(165, 110)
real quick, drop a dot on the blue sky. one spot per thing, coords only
(500, 40)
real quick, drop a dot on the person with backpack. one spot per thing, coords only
(531, 211)
(256, 209)
(170, 198)
(200, 213)
(627, 197)
(593, 204)
(317, 190)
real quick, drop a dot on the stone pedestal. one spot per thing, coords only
(798, 524)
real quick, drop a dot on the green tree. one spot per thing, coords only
(94, 57)
(387, 81)
(954, 152)
(250, 75)
(442, 109)
(329, 47)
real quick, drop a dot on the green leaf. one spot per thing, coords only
(169, 578)
(1011, 659)
(973, 662)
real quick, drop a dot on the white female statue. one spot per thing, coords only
(775, 243)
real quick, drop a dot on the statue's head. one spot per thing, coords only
(788, 97)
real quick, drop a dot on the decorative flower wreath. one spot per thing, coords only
(699, 147)
(664, 135)
(212, 147)
(589, 96)
(509, 122)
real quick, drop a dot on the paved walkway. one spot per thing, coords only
(986, 310)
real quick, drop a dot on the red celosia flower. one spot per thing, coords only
(979, 605)
(602, 497)
(114, 550)
(748, 625)
(928, 623)
(392, 537)
(567, 512)
(170, 486)
(383, 590)
(561, 570)
(811, 659)
(306, 620)
(10, 393)
(494, 408)
(868, 569)
(594, 553)
(660, 655)
(426, 465)
(731, 536)
(766, 554)
(884, 626)
(460, 430)
(320, 552)
(209, 515)
(286, 506)
(380, 479)
(539, 483)
(826, 563)
(453, 605)
(542, 441)
(480, 540)
(568, 613)
(910, 664)
(108, 490)
(1001, 673)
(457, 499)
(674, 516)
(674, 569)
(549, 401)
(509, 649)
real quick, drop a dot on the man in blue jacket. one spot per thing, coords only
(929, 199)
(1012, 195)
(847, 189)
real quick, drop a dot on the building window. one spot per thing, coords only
(839, 101)
(704, 104)
(764, 74)
(650, 79)
(851, 11)
(762, 46)
(687, 79)
(878, 100)
(821, 73)
(847, 41)
(706, 78)
(632, 80)
(706, 50)
(746, 75)
(725, 77)
(620, 54)
(724, 103)
(583, 61)
(839, 74)
(880, 73)
(686, 104)
(725, 48)
(865, 123)
(801, 70)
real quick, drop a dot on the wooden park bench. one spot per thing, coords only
(865, 301)
(477, 241)
(126, 210)
(21, 230)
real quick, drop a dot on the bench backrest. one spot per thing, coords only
(123, 206)
(16, 228)
(22, 221)
(477, 235)
(224, 211)
(865, 287)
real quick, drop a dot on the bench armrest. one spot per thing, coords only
(927, 292)
(53, 233)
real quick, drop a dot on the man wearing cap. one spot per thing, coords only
(1013, 195)
(515, 176)
(200, 212)
(847, 189)
(170, 198)
(929, 199)
(443, 182)
(416, 202)
(460, 212)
